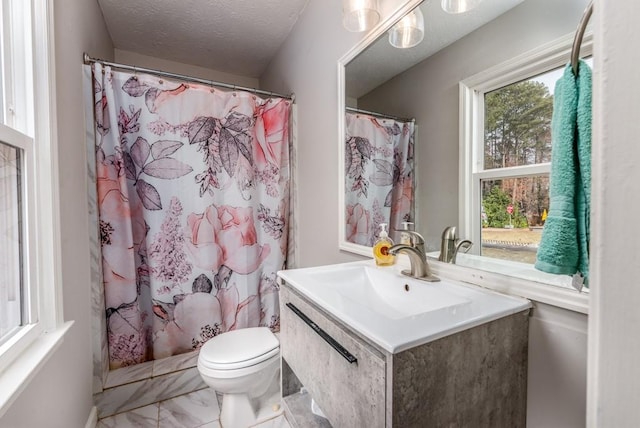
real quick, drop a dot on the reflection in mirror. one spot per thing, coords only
(379, 162)
(424, 82)
(379, 178)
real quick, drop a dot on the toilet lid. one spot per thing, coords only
(239, 348)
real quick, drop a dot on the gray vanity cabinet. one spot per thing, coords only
(474, 378)
(353, 393)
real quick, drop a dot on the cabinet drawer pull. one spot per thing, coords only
(323, 334)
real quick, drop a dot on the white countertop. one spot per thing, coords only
(381, 309)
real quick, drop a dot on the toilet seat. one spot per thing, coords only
(239, 349)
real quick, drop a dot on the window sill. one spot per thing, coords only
(15, 377)
(508, 278)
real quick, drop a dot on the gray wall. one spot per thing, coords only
(60, 395)
(429, 92)
(134, 58)
(306, 65)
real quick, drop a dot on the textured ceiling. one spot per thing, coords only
(234, 36)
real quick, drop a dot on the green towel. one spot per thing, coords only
(564, 248)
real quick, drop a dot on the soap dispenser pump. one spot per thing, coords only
(381, 248)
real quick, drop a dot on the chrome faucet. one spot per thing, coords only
(417, 257)
(451, 245)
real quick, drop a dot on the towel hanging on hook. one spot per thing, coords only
(577, 41)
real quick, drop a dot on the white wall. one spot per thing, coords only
(60, 395)
(306, 65)
(614, 338)
(139, 60)
(557, 381)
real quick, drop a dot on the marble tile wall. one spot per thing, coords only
(98, 322)
(144, 392)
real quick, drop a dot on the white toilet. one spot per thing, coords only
(244, 366)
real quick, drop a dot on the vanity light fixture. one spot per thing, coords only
(409, 31)
(459, 6)
(360, 15)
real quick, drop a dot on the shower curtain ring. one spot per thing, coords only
(135, 73)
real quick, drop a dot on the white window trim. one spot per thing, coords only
(537, 61)
(32, 346)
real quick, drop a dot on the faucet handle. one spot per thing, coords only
(464, 245)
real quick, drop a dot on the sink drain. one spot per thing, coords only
(406, 287)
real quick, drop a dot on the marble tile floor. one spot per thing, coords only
(199, 409)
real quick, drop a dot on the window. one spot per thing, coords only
(30, 312)
(10, 241)
(517, 134)
(12, 237)
(506, 152)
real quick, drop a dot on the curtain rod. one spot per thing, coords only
(88, 60)
(384, 116)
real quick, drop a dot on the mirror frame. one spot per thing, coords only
(360, 47)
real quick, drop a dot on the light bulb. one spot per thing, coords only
(409, 31)
(459, 6)
(360, 15)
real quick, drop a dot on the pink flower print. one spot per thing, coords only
(238, 315)
(225, 236)
(402, 206)
(186, 103)
(272, 132)
(170, 263)
(120, 227)
(358, 223)
(195, 313)
(200, 316)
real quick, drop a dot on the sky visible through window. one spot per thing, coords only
(551, 77)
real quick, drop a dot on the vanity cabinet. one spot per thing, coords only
(474, 378)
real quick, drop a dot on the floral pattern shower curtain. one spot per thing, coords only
(379, 174)
(193, 198)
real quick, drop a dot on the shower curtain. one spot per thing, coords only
(379, 174)
(193, 200)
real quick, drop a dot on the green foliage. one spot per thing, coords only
(517, 125)
(495, 203)
(517, 132)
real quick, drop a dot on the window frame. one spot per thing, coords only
(471, 144)
(29, 348)
(29, 292)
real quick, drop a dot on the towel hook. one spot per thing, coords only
(577, 41)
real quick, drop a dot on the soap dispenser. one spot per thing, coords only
(381, 248)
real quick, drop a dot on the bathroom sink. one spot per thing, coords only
(384, 292)
(394, 311)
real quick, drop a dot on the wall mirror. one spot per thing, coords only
(448, 92)
(381, 178)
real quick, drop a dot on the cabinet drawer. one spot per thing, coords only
(351, 393)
